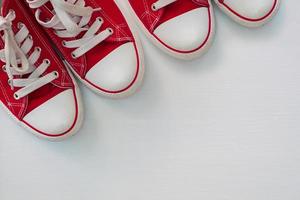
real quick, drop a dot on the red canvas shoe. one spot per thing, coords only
(96, 42)
(35, 88)
(182, 28)
(252, 13)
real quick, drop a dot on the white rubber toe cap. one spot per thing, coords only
(254, 9)
(116, 71)
(186, 32)
(54, 117)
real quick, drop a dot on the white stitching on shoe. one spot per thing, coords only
(17, 63)
(70, 20)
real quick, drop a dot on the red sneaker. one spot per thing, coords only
(36, 89)
(251, 13)
(96, 42)
(182, 28)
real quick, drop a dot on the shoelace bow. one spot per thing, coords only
(163, 3)
(71, 18)
(16, 61)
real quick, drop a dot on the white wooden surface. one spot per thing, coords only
(223, 127)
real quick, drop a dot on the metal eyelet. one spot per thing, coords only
(9, 82)
(64, 43)
(16, 96)
(56, 74)
(99, 19)
(110, 30)
(4, 68)
(73, 56)
(47, 61)
(20, 25)
(38, 49)
(30, 37)
(153, 7)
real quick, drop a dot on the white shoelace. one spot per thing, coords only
(16, 61)
(71, 18)
(161, 3)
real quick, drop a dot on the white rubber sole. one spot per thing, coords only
(72, 132)
(247, 23)
(140, 76)
(179, 55)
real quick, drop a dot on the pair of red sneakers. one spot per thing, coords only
(185, 28)
(43, 41)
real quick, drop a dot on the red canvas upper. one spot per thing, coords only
(23, 106)
(152, 19)
(112, 17)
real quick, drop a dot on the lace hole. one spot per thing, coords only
(153, 7)
(20, 25)
(38, 49)
(4, 68)
(16, 96)
(30, 37)
(73, 56)
(100, 19)
(9, 82)
(56, 74)
(64, 43)
(47, 61)
(110, 30)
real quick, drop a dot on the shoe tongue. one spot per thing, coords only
(46, 12)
